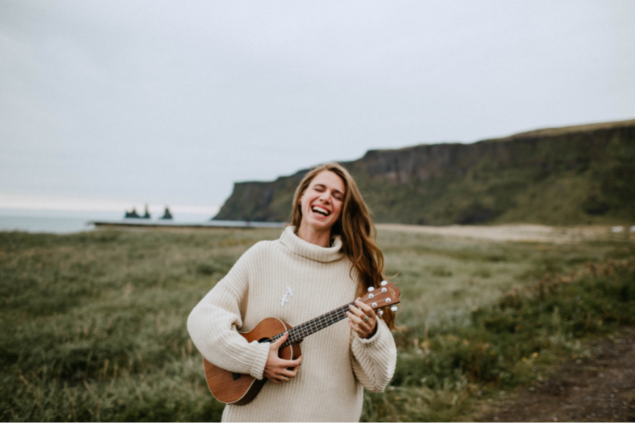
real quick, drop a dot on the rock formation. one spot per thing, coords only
(131, 214)
(166, 214)
(574, 175)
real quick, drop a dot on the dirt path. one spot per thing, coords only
(528, 233)
(601, 388)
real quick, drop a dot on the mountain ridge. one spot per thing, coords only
(570, 175)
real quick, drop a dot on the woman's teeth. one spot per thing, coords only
(320, 210)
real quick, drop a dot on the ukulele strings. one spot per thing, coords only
(307, 328)
(318, 323)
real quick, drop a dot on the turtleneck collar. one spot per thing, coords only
(311, 251)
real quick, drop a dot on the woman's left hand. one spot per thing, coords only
(362, 319)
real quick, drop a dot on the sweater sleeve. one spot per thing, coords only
(374, 359)
(213, 321)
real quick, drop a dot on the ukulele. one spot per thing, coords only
(240, 389)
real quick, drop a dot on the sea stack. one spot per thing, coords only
(131, 214)
(166, 214)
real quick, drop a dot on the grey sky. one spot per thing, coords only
(109, 103)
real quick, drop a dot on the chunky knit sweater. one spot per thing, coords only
(295, 281)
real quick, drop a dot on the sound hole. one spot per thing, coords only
(236, 376)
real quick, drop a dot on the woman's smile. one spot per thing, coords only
(320, 210)
(321, 203)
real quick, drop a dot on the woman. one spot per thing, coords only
(325, 259)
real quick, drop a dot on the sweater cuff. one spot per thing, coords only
(260, 359)
(367, 342)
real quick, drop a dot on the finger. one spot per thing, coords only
(369, 316)
(366, 313)
(363, 327)
(360, 331)
(365, 308)
(284, 376)
(356, 311)
(289, 373)
(355, 319)
(290, 363)
(360, 328)
(280, 340)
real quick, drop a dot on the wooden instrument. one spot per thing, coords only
(240, 389)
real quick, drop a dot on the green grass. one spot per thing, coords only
(494, 316)
(93, 324)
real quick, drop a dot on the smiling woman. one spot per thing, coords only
(326, 258)
(321, 205)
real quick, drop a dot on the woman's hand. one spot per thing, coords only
(277, 369)
(362, 319)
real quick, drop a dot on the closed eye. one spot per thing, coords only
(336, 194)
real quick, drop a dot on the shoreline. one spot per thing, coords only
(211, 224)
(518, 232)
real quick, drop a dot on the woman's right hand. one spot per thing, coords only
(277, 369)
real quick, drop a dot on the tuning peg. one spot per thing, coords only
(371, 289)
(380, 312)
(384, 283)
(394, 308)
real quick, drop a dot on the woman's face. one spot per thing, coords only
(322, 201)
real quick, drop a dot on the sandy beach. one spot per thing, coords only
(518, 232)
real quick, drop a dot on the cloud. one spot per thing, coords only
(172, 102)
(76, 204)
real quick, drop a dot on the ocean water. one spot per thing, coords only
(71, 222)
(58, 225)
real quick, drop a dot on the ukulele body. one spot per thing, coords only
(240, 389)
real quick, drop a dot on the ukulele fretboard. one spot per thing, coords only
(300, 332)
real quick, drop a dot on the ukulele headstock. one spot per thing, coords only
(385, 295)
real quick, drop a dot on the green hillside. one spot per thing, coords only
(559, 176)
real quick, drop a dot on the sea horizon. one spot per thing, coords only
(72, 221)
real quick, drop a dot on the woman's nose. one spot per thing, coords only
(325, 196)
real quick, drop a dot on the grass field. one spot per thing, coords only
(93, 324)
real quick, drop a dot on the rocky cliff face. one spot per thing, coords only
(574, 175)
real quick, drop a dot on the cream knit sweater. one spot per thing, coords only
(336, 364)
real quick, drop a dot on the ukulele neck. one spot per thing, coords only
(300, 332)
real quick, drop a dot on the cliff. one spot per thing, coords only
(561, 176)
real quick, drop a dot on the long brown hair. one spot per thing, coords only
(356, 229)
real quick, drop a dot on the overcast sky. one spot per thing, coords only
(113, 103)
